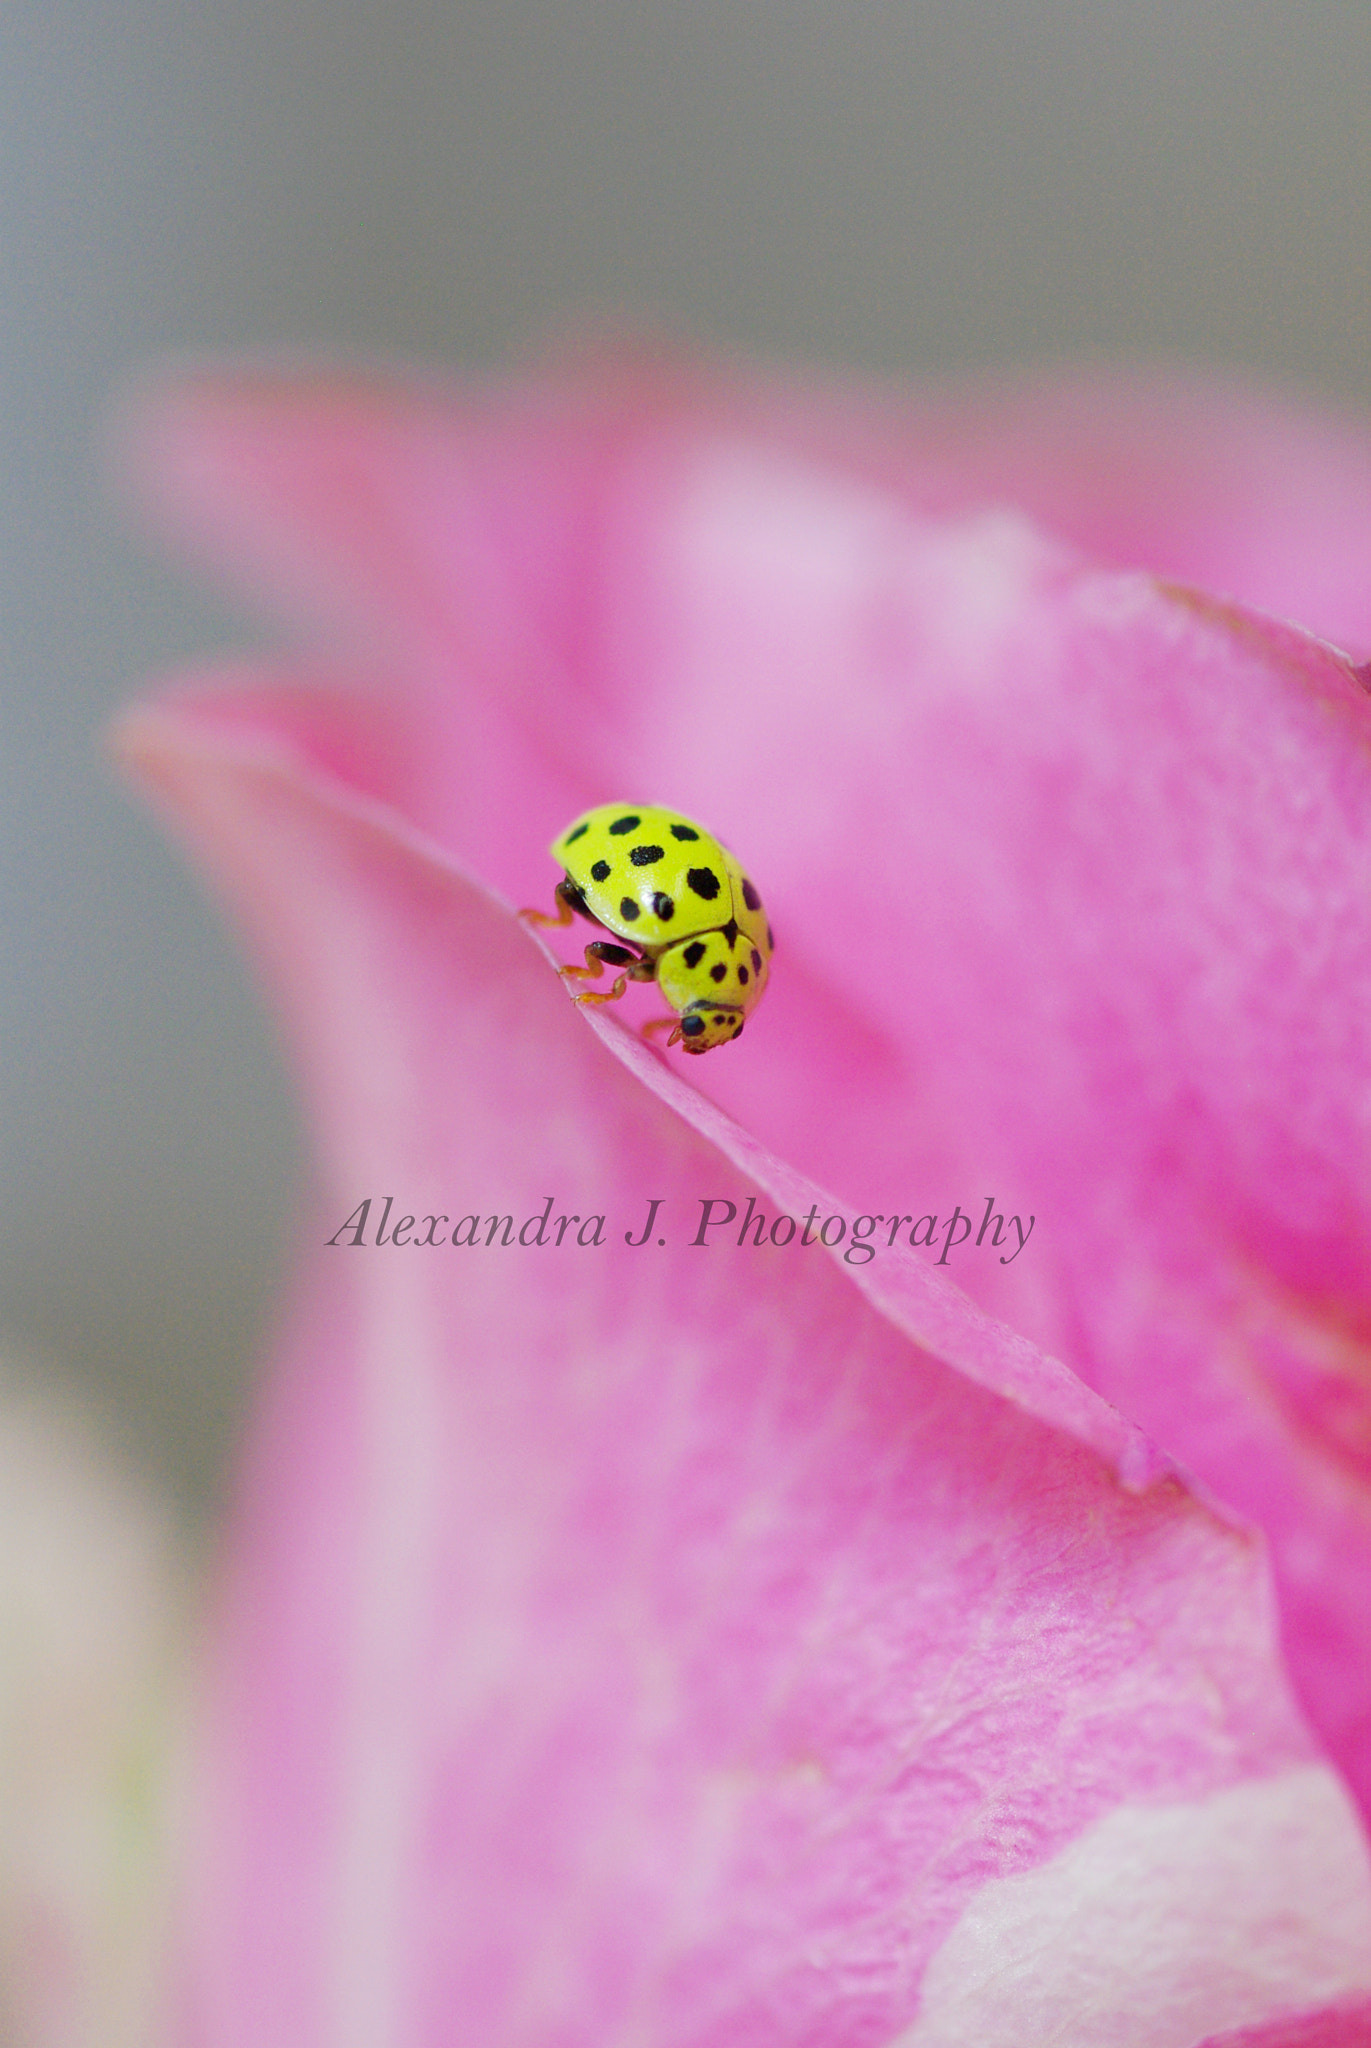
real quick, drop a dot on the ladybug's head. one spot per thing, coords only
(704, 1026)
(710, 982)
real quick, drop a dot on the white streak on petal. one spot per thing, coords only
(1161, 1925)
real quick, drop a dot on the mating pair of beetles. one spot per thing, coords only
(692, 920)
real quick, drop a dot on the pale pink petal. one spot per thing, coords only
(658, 1643)
(382, 496)
(1204, 479)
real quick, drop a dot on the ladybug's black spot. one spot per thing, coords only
(703, 881)
(738, 1028)
(628, 909)
(742, 976)
(572, 837)
(756, 961)
(694, 953)
(719, 1017)
(718, 973)
(643, 856)
(750, 897)
(684, 832)
(730, 932)
(770, 939)
(691, 1027)
(599, 871)
(628, 823)
(664, 907)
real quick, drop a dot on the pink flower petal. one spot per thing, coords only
(1091, 861)
(1346, 2025)
(657, 1642)
(496, 528)
(1070, 872)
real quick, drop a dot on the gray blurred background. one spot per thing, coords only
(917, 186)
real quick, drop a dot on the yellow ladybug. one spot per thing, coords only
(694, 923)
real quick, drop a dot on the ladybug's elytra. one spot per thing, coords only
(693, 921)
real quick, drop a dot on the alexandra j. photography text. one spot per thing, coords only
(712, 1225)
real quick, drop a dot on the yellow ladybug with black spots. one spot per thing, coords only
(691, 919)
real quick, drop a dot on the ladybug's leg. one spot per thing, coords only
(599, 955)
(571, 903)
(671, 1024)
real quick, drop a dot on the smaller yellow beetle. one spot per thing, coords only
(694, 922)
